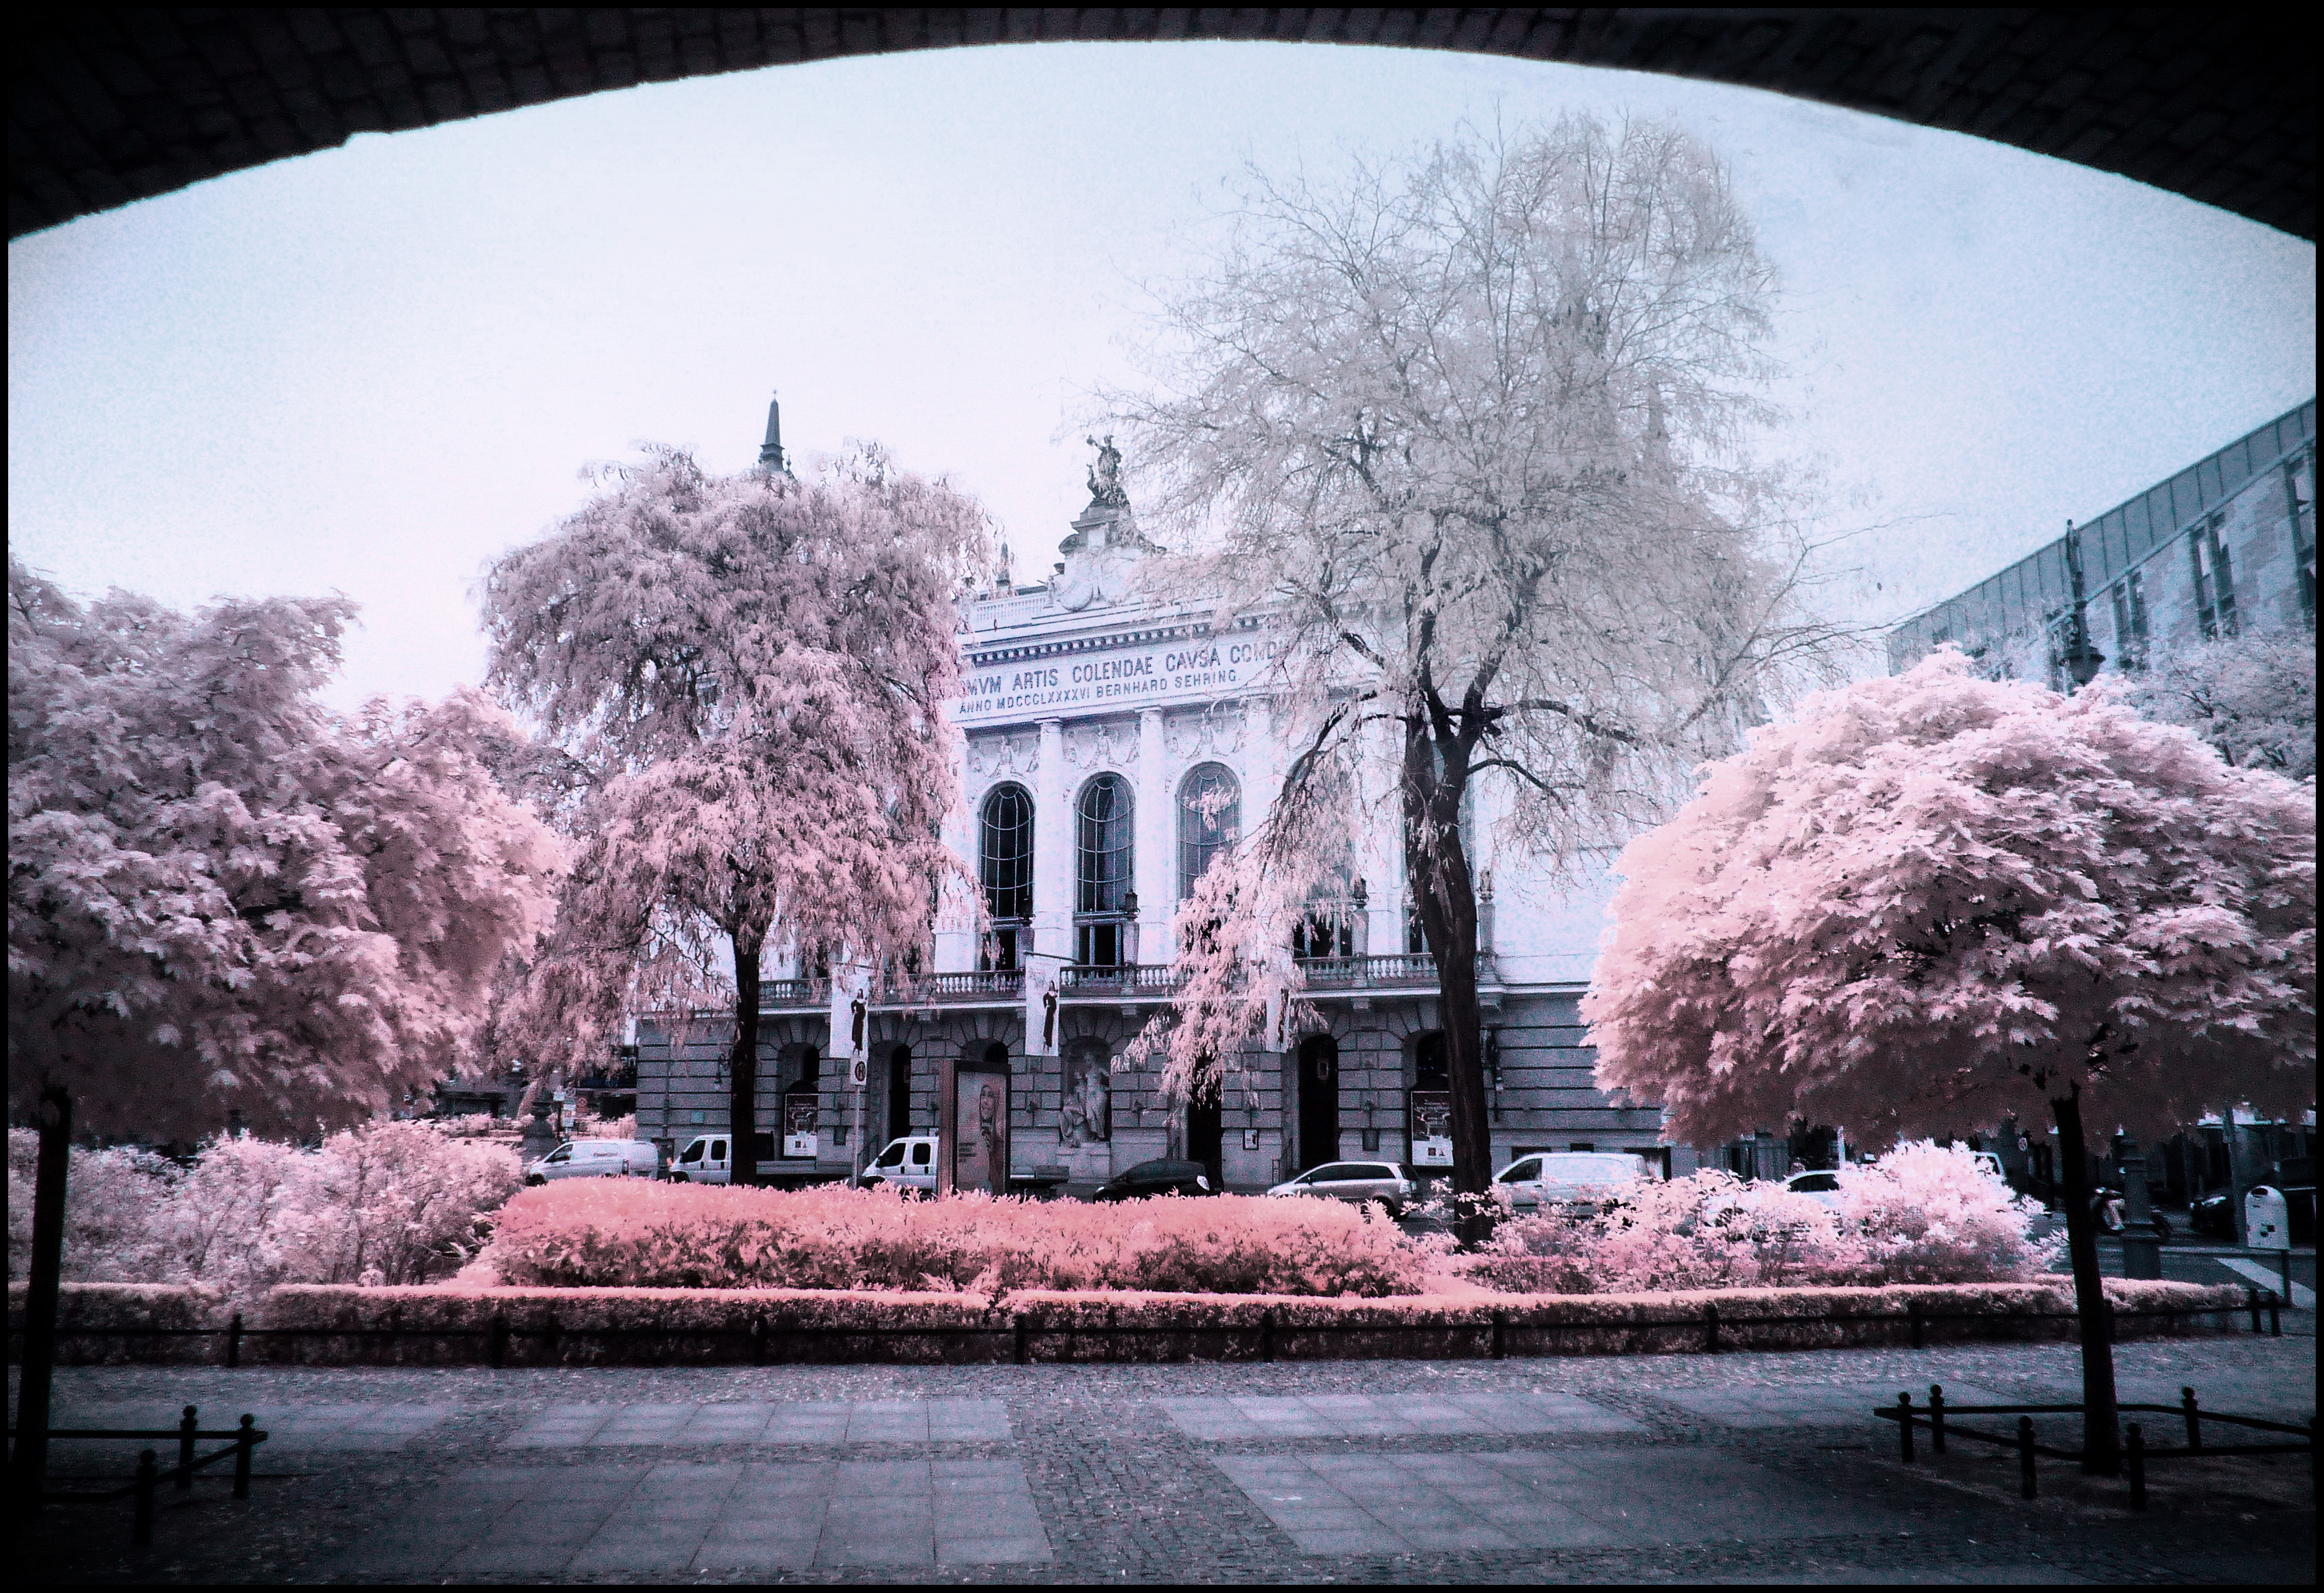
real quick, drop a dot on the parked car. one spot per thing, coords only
(597, 1158)
(2294, 1177)
(908, 1164)
(1155, 1178)
(1821, 1185)
(1355, 1182)
(1550, 1179)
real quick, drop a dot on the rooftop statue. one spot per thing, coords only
(1105, 475)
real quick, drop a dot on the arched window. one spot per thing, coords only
(1210, 818)
(1005, 868)
(1101, 832)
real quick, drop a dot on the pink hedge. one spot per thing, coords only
(614, 1327)
(175, 1306)
(600, 1233)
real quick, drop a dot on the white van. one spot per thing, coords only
(597, 1158)
(1557, 1178)
(908, 1164)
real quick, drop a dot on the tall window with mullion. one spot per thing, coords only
(1005, 867)
(1210, 818)
(1104, 863)
(2215, 580)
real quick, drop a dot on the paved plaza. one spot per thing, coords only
(1735, 1468)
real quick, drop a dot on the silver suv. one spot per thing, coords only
(1355, 1182)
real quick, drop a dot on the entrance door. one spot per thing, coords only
(899, 1093)
(1206, 1139)
(1319, 1102)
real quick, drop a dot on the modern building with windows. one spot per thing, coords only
(1113, 746)
(2226, 545)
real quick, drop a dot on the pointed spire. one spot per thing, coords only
(770, 452)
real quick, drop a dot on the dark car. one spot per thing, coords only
(1156, 1177)
(2294, 1177)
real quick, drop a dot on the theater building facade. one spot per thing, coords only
(1112, 746)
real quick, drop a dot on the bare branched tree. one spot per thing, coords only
(1466, 431)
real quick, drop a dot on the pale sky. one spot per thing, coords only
(375, 368)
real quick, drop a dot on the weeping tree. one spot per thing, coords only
(225, 902)
(1465, 430)
(1932, 903)
(746, 679)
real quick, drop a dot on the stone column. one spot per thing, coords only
(1380, 841)
(1155, 869)
(1053, 845)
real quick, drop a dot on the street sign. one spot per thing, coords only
(859, 1072)
(2267, 1221)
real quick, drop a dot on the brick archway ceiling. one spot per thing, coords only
(108, 106)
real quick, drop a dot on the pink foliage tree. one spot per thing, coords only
(1930, 902)
(747, 677)
(223, 898)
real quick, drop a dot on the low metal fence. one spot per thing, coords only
(778, 1337)
(147, 1483)
(2136, 1454)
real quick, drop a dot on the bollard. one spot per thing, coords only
(759, 1339)
(2275, 1314)
(1711, 1329)
(549, 1342)
(1497, 1353)
(186, 1425)
(2025, 1457)
(234, 1341)
(1024, 1356)
(1267, 1336)
(2194, 1421)
(2137, 1456)
(245, 1439)
(1920, 1329)
(2251, 1298)
(142, 1532)
(500, 1340)
(1904, 1425)
(1937, 1418)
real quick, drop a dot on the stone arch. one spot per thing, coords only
(109, 107)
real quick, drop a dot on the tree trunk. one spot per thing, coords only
(31, 1460)
(2100, 1455)
(742, 1067)
(1443, 894)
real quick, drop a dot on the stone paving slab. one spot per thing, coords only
(1812, 1404)
(375, 1425)
(1484, 1503)
(575, 1424)
(1390, 1415)
(520, 1521)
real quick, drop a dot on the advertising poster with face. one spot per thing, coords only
(981, 1146)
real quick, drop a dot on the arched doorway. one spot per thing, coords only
(1206, 1135)
(1428, 1110)
(899, 1092)
(799, 1107)
(1319, 1101)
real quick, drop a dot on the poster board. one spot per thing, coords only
(1432, 1128)
(980, 1147)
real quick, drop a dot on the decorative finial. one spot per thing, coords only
(770, 452)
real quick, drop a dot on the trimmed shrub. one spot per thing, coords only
(450, 1325)
(586, 1233)
(83, 1306)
